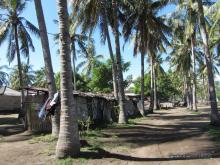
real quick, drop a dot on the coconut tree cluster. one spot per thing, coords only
(187, 39)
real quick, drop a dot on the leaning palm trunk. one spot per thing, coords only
(114, 67)
(74, 65)
(142, 83)
(48, 63)
(22, 114)
(68, 141)
(122, 113)
(194, 104)
(215, 118)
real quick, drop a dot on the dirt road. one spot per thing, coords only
(168, 137)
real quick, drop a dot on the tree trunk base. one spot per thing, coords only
(215, 119)
(122, 118)
(150, 111)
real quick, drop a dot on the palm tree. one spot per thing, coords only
(122, 112)
(150, 32)
(80, 40)
(90, 59)
(15, 28)
(187, 10)
(40, 78)
(181, 61)
(27, 74)
(157, 71)
(215, 118)
(68, 141)
(48, 64)
(96, 13)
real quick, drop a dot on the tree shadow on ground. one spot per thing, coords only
(98, 153)
(142, 134)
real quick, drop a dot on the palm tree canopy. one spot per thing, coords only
(10, 19)
(148, 29)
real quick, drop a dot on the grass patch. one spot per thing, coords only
(70, 161)
(45, 138)
(214, 132)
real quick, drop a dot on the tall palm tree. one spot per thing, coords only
(122, 112)
(157, 71)
(15, 28)
(80, 40)
(90, 59)
(47, 62)
(187, 10)
(181, 61)
(215, 118)
(150, 31)
(96, 13)
(68, 141)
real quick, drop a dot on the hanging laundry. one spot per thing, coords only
(55, 99)
(52, 104)
(43, 114)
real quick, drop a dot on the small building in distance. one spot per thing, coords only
(10, 100)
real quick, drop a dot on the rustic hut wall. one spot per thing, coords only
(10, 104)
(100, 109)
(89, 107)
(32, 106)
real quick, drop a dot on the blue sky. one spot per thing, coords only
(50, 13)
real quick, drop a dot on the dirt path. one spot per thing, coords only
(168, 137)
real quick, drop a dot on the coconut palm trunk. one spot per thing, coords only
(22, 113)
(142, 83)
(47, 63)
(74, 65)
(68, 142)
(189, 92)
(154, 88)
(114, 67)
(151, 87)
(204, 91)
(194, 104)
(185, 90)
(215, 118)
(122, 112)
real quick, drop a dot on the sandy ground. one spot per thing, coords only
(168, 137)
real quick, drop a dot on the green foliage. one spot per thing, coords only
(167, 86)
(147, 87)
(12, 21)
(40, 78)
(46, 138)
(101, 78)
(217, 87)
(214, 132)
(28, 76)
